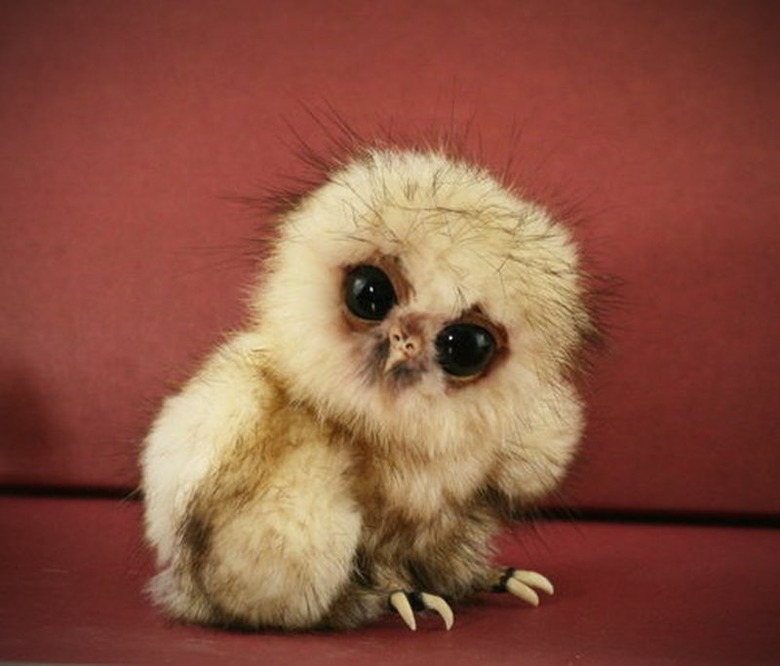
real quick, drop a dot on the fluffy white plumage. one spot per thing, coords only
(326, 458)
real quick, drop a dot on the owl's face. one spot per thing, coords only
(400, 346)
(418, 301)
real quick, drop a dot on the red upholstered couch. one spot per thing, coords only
(123, 124)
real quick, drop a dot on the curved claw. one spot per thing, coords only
(522, 591)
(533, 579)
(522, 583)
(438, 605)
(405, 603)
(400, 602)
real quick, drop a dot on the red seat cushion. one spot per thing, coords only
(72, 574)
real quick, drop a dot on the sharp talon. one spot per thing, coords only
(438, 605)
(522, 591)
(406, 603)
(533, 579)
(400, 602)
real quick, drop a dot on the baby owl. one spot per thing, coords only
(401, 389)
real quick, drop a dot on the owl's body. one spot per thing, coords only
(402, 387)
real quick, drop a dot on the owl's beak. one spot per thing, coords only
(402, 348)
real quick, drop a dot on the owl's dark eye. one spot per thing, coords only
(464, 350)
(369, 293)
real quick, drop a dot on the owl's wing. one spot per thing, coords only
(535, 458)
(224, 402)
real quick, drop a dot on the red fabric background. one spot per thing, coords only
(123, 124)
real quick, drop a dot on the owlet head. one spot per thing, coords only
(415, 298)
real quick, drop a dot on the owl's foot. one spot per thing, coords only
(522, 583)
(407, 603)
